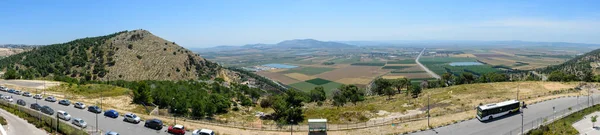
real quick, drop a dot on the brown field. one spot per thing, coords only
(278, 70)
(412, 75)
(491, 55)
(298, 76)
(362, 81)
(501, 52)
(278, 77)
(465, 55)
(414, 68)
(353, 72)
(494, 61)
(392, 76)
(401, 65)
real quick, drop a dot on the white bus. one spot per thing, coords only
(495, 110)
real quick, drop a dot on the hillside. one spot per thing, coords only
(127, 55)
(581, 67)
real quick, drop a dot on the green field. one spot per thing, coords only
(318, 81)
(305, 86)
(477, 70)
(308, 70)
(378, 64)
(349, 60)
(395, 67)
(407, 61)
(437, 64)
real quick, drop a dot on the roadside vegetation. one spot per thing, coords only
(3, 121)
(564, 125)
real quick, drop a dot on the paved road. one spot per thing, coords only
(105, 123)
(503, 125)
(18, 126)
(436, 76)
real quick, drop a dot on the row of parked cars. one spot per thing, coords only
(129, 117)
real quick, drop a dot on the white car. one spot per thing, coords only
(63, 115)
(38, 96)
(79, 122)
(203, 132)
(130, 117)
(79, 105)
(8, 98)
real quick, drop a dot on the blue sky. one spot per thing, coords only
(203, 23)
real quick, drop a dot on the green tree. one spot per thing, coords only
(399, 84)
(11, 74)
(352, 93)
(380, 86)
(389, 92)
(317, 94)
(288, 107)
(446, 77)
(142, 94)
(415, 91)
(338, 98)
(468, 77)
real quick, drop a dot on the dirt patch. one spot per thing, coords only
(298, 76)
(412, 75)
(392, 76)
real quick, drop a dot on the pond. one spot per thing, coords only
(275, 65)
(465, 64)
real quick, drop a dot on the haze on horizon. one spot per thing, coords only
(198, 24)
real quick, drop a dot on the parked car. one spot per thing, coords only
(203, 132)
(79, 105)
(94, 109)
(177, 129)
(21, 102)
(26, 94)
(2, 88)
(50, 99)
(18, 92)
(47, 110)
(112, 133)
(35, 106)
(154, 124)
(63, 115)
(65, 102)
(111, 113)
(130, 117)
(79, 122)
(7, 98)
(11, 91)
(38, 96)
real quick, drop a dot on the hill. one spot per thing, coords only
(578, 68)
(127, 55)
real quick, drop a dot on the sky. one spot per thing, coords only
(206, 23)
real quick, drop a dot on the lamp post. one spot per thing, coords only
(291, 124)
(175, 111)
(428, 113)
(97, 120)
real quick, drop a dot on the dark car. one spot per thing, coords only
(64, 102)
(111, 113)
(11, 91)
(35, 106)
(47, 110)
(21, 102)
(94, 109)
(154, 124)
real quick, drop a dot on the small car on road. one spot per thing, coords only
(65, 102)
(26, 94)
(79, 105)
(11, 91)
(111, 113)
(38, 96)
(7, 98)
(112, 133)
(154, 124)
(79, 122)
(47, 110)
(35, 106)
(94, 109)
(130, 117)
(50, 99)
(177, 129)
(21, 102)
(18, 92)
(63, 115)
(203, 132)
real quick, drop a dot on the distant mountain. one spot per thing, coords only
(127, 55)
(21, 46)
(311, 43)
(441, 43)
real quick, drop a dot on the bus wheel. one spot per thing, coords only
(491, 117)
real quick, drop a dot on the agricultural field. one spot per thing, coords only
(308, 70)
(308, 85)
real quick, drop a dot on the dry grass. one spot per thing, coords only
(401, 65)
(278, 77)
(363, 81)
(353, 72)
(392, 76)
(298, 76)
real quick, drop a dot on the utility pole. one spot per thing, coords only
(97, 119)
(428, 112)
(291, 124)
(522, 122)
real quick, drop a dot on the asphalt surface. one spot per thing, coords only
(501, 126)
(18, 126)
(436, 76)
(105, 123)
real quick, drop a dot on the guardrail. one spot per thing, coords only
(63, 126)
(549, 119)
